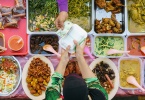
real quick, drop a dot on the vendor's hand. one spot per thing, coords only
(65, 56)
(59, 22)
(79, 49)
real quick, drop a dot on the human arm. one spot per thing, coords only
(53, 91)
(63, 7)
(84, 68)
(63, 61)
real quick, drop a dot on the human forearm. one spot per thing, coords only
(61, 67)
(84, 68)
(63, 5)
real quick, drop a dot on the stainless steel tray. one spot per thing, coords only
(101, 13)
(41, 44)
(132, 27)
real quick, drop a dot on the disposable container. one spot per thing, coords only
(140, 53)
(141, 68)
(120, 17)
(89, 44)
(42, 43)
(103, 35)
(13, 40)
(132, 27)
(74, 33)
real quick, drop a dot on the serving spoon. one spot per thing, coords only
(49, 48)
(88, 52)
(143, 49)
(132, 80)
(3, 48)
(114, 51)
(19, 40)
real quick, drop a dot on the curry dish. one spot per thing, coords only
(129, 67)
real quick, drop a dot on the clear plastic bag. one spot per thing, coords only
(19, 10)
(6, 11)
(1, 22)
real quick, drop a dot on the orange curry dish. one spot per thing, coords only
(134, 44)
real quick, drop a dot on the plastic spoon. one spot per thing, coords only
(3, 48)
(87, 51)
(48, 47)
(114, 51)
(133, 81)
(143, 49)
(19, 40)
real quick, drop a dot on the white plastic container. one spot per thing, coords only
(69, 33)
(141, 68)
(131, 44)
(43, 53)
(103, 35)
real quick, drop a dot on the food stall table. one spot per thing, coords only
(19, 93)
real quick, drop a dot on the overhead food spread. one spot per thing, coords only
(114, 47)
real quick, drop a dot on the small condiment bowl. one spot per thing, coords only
(13, 43)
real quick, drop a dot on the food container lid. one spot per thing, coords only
(74, 33)
(67, 27)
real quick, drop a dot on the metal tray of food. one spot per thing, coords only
(40, 20)
(82, 16)
(109, 20)
(102, 43)
(134, 44)
(135, 17)
(37, 41)
(41, 16)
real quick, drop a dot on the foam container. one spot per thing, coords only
(101, 35)
(101, 13)
(43, 53)
(141, 70)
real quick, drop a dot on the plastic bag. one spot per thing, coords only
(6, 11)
(19, 10)
(9, 21)
(1, 22)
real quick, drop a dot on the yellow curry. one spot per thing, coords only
(129, 67)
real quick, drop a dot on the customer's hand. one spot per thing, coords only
(59, 22)
(79, 49)
(65, 56)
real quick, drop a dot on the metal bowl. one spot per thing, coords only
(18, 74)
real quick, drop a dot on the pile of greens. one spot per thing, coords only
(42, 14)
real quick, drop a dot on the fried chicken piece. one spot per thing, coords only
(101, 3)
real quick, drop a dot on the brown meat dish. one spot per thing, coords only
(108, 25)
(100, 70)
(114, 5)
(38, 76)
(72, 67)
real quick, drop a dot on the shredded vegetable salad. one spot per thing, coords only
(7, 81)
(8, 77)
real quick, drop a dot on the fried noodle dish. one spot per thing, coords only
(38, 76)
